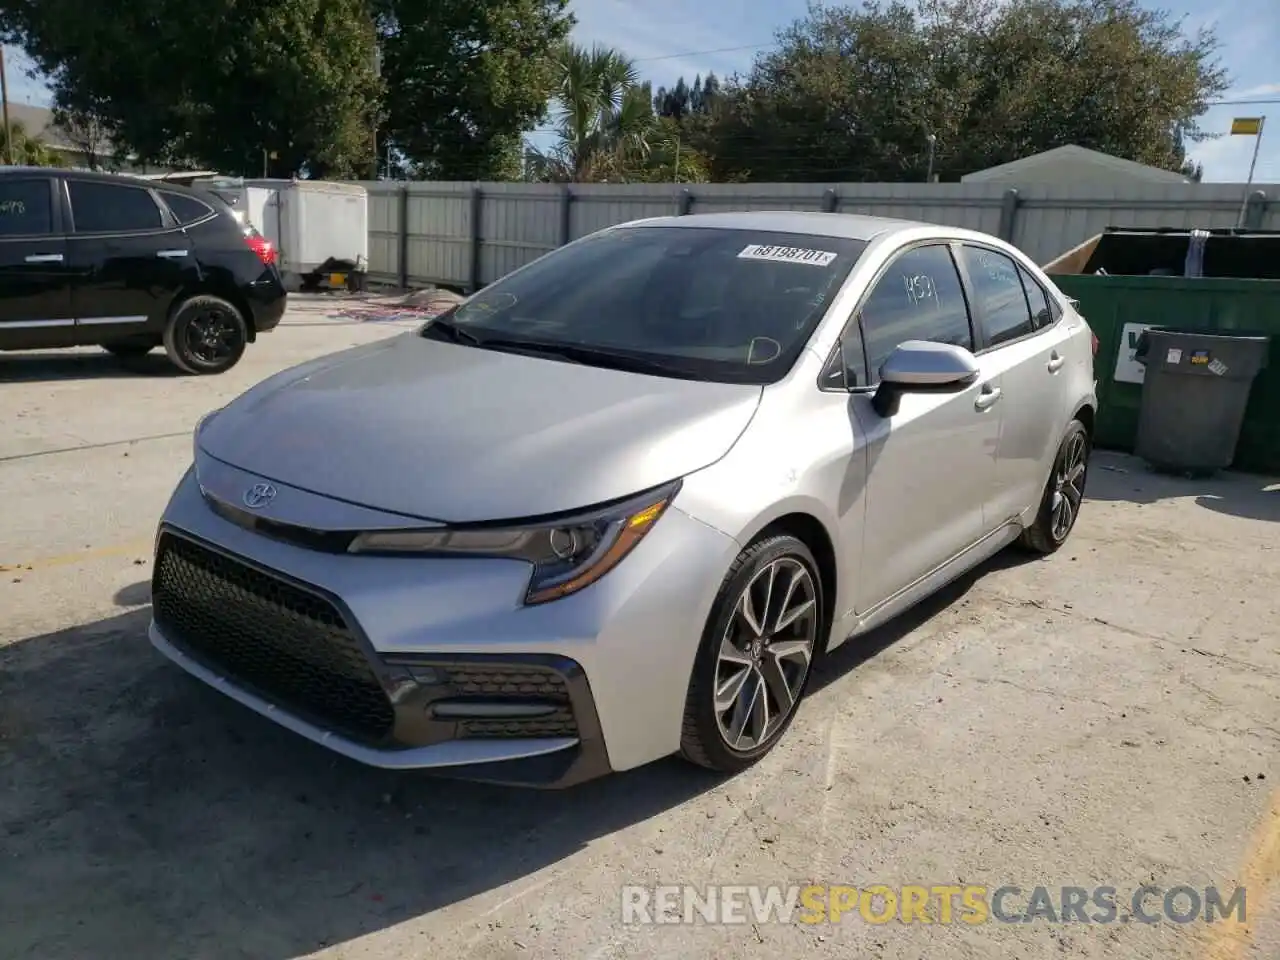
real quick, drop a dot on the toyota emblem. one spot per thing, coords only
(259, 495)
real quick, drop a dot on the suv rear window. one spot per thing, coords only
(735, 305)
(186, 209)
(25, 207)
(112, 207)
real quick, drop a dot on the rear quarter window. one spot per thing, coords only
(186, 209)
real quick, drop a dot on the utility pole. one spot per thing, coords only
(1253, 165)
(377, 72)
(933, 141)
(4, 101)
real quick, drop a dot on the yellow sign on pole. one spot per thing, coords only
(1246, 126)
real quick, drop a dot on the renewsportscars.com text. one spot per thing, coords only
(919, 904)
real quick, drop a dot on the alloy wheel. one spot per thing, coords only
(765, 654)
(1068, 486)
(212, 336)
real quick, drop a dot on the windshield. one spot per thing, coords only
(729, 305)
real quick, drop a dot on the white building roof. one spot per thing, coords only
(1037, 163)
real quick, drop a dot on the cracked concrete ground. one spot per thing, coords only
(1108, 716)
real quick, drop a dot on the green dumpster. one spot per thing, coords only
(1140, 287)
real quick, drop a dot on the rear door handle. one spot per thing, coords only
(44, 258)
(986, 398)
(171, 254)
(1055, 362)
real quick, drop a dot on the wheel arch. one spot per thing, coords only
(1087, 414)
(806, 527)
(215, 286)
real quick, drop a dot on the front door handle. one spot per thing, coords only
(986, 398)
(171, 254)
(44, 258)
(1055, 362)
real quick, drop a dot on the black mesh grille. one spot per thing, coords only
(513, 682)
(287, 644)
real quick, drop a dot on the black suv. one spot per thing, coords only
(129, 264)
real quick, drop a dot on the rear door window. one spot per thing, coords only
(112, 208)
(26, 207)
(1041, 313)
(998, 295)
(186, 209)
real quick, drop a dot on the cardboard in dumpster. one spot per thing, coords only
(1162, 252)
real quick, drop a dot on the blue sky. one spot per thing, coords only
(669, 38)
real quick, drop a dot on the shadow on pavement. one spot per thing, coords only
(1114, 476)
(146, 811)
(37, 366)
(134, 595)
(853, 653)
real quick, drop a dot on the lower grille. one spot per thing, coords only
(289, 645)
(514, 683)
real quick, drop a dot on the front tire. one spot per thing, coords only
(756, 655)
(1063, 494)
(205, 335)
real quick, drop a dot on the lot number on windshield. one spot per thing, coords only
(757, 251)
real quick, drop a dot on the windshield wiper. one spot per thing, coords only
(591, 356)
(451, 331)
(568, 352)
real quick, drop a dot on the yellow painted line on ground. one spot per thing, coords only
(1230, 939)
(140, 547)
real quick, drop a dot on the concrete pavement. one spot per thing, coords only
(1105, 717)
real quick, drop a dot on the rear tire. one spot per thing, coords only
(1063, 494)
(205, 335)
(755, 657)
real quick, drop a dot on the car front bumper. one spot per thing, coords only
(429, 663)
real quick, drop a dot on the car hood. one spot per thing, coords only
(459, 434)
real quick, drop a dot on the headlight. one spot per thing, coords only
(568, 554)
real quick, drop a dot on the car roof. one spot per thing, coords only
(100, 177)
(852, 226)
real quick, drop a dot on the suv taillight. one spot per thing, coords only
(262, 247)
(1094, 338)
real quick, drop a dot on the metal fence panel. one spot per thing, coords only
(469, 234)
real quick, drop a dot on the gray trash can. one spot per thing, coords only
(1194, 392)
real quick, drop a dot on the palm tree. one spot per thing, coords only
(603, 117)
(28, 151)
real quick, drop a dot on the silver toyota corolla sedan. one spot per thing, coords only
(615, 505)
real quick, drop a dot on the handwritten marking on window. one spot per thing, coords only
(12, 208)
(921, 288)
(998, 269)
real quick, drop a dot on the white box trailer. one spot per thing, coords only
(320, 228)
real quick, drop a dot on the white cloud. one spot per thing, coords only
(1262, 90)
(1226, 159)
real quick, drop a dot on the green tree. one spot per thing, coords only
(87, 133)
(684, 101)
(854, 94)
(469, 77)
(230, 84)
(604, 118)
(28, 150)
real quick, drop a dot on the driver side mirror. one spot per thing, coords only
(920, 366)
